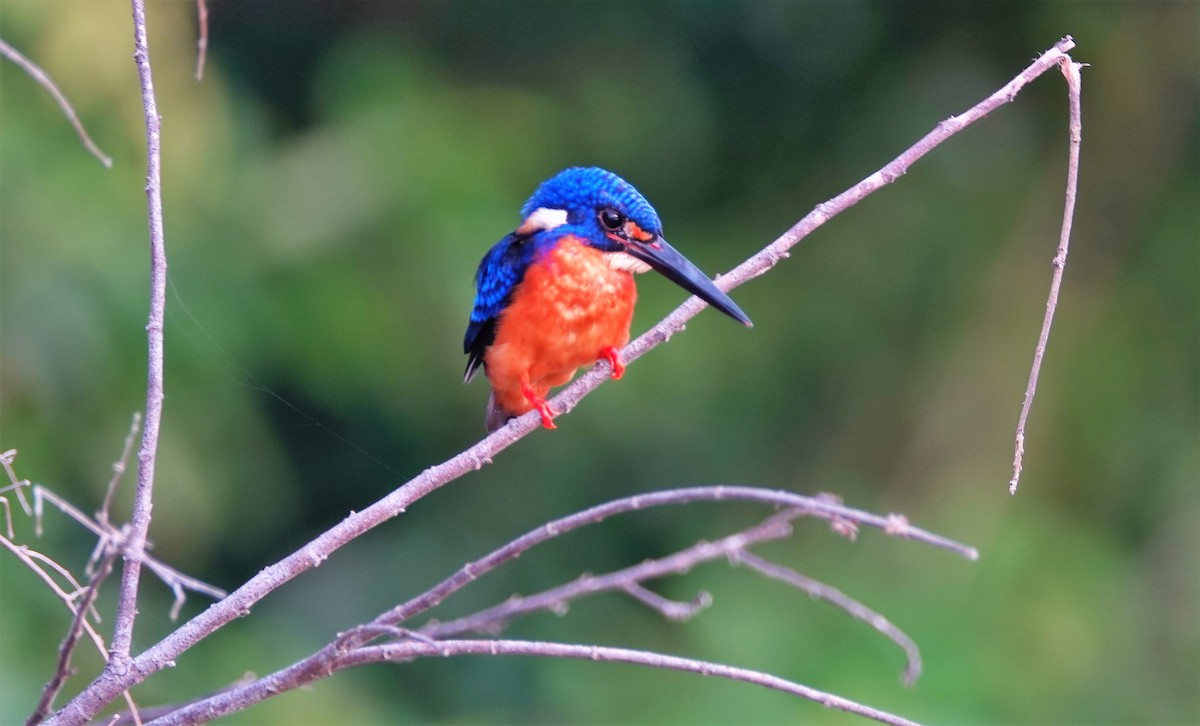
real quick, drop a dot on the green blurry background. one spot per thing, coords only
(330, 187)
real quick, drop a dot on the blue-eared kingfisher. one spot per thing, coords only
(557, 293)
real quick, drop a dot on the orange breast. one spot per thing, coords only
(570, 306)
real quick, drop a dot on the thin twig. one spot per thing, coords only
(102, 514)
(62, 670)
(201, 37)
(409, 650)
(1070, 70)
(112, 539)
(162, 654)
(668, 608)
(17, 486)
(140, 522)
(43, 79)
(821, 591)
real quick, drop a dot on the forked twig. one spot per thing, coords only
(43, 79)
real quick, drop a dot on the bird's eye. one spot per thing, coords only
(611, 219)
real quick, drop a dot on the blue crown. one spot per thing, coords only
(582, 190)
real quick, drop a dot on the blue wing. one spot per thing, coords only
(501, 269)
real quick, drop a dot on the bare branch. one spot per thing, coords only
(630, 580)
(240, 698)
(43, 79)
(821, 591)
(312, 554)
(140, 522)
(201, 37)
(1070, 70)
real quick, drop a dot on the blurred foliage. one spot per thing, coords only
(330, 187)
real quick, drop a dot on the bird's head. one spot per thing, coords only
(613, 217)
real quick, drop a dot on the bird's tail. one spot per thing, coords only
(496, 416)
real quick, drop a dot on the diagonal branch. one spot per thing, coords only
(43, 79)
(1070, 69)
(106, 687)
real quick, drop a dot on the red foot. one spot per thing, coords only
(618, 368)
(540, 405)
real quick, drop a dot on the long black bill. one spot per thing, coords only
(678, 269)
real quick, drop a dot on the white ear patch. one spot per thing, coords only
(626, 262)
(544, 218)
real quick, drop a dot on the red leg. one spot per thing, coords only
(618, 368)
(540, 405)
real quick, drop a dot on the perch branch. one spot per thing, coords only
(139, 525)
(43, 79)
(84, 706)
(1070, 69)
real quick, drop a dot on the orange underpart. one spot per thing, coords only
(618, 368)
(570, 304)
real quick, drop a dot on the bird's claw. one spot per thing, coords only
(618, 368)
(540, 405)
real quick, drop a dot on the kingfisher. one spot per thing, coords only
(557, 293)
